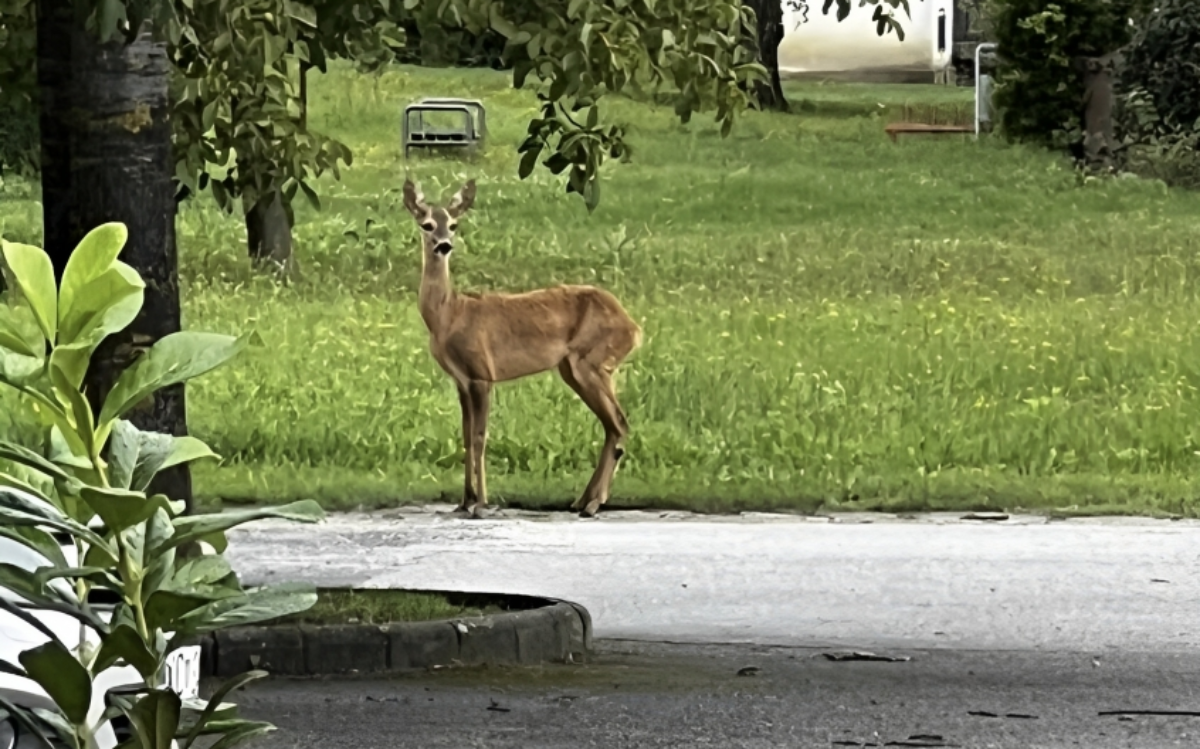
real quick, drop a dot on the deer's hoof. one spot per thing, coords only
(590, 510)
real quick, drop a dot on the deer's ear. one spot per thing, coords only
(414, 201)
(462, 200)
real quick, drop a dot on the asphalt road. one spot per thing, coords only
(1016, 633)
(658, 696)
(1092, 586)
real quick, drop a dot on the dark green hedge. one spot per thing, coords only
(1039, 82)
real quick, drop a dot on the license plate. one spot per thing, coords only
(183, 672)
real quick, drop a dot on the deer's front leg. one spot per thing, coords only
(481, 403)
(468, 432)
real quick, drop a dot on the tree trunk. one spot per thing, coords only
(269, 233)
(769, 15)
(54, 30)
(1097, 115)
(106, 156)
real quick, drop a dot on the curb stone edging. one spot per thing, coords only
(554, 632)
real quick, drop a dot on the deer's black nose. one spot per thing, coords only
(443, 247)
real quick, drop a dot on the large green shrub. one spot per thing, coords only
(1039, 88)
(1160, 94)
(18, 140)
(89, 481)
(18, 110)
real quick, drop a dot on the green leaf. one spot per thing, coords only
(65, 679)
(16, 483)
(33, 621)
(16, 336)
(202, 570)
(28, 585)
(121, 508)
(34, 276)
(186, 450)
(66, 449)
(256, 605)
(13, 341)
(220, 726)
(37, 540)
(218, 588)
(68, 394)
(124, 643)
(27, 719)
(499, 23)
(313, 200)
(135, 456)
(521, 70)
(557, 162)
(71, 363)
(591, 193)
(165, 608)
(26, 457)
(54, 595)
(208, 115)
(175, 358)
(155, 719)
(158, 560)
(196, 527)
(91, 258)
(303, 13)
(528, 162)
(56, 723)
(101, 576)
(19, 370)
(108, 15)
(242, 735)
(216, 539)
(103, 306)
(194, 706)
(23, 509)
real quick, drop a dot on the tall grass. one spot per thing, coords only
(831, 319)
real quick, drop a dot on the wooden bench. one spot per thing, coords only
(895, 128)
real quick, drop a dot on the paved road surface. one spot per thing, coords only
(1089, 586)
(653, 696)
(1056, 622)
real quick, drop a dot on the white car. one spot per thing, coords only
(16, 635)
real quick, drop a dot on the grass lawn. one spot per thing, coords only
(831, 320)
(344, 606)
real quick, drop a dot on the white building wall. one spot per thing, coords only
(824, 45)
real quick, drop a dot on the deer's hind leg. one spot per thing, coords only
(594, 386)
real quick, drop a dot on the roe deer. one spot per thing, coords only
(482, 339)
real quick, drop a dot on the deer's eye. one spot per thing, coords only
(453, 227)
(428, 226)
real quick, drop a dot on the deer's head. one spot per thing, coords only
(438, 224)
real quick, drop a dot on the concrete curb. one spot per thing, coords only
(549, 632)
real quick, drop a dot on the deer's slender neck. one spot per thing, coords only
(437, 293)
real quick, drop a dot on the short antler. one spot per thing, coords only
(462, 200)
(414, 200)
